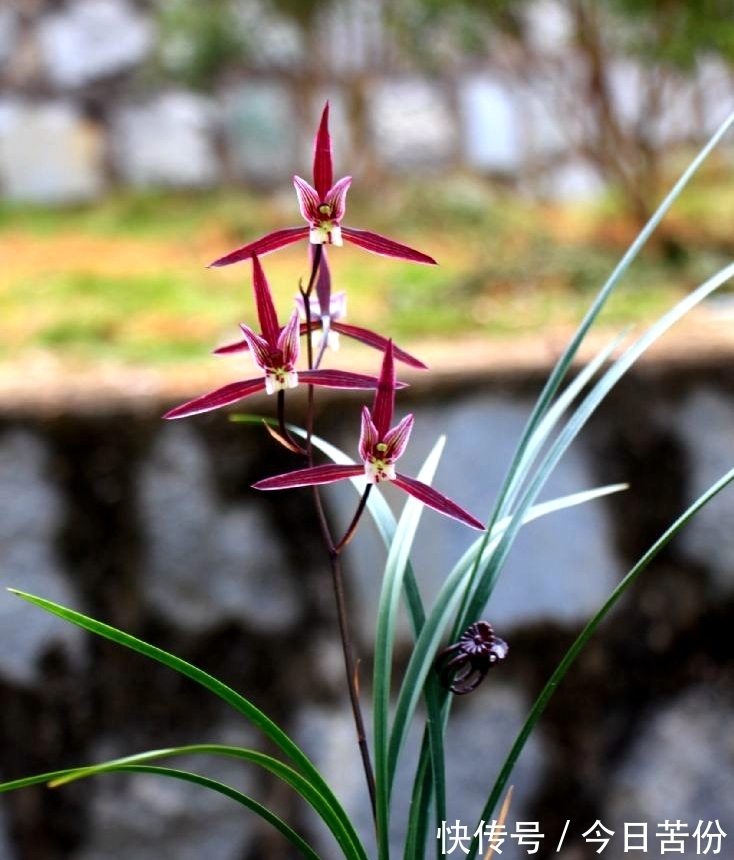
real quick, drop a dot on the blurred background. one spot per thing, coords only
(523, 143)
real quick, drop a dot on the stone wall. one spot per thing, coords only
(81, 109)
(154, 528)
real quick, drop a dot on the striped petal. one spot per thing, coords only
(216, 399)
(396, 439)
(261, 350)
(326, 474)
(336, 199)
(385, 247)
(338, 379)
(308, 200)
(371, 338)
(382, 410)
(288, 340)
(368, 437)
(230, 348)
(323, 171)
(260, 247)
(433, 499)
(266, 313)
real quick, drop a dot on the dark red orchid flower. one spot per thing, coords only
(322, 206)
(275, 351)
(380, 446)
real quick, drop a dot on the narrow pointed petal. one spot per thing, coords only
(216, 399)
(338, 379)
(433, 499)
(266, 313)
(384, 404)
(397, 438)
(323, 285)
(288, 340)
(336, 198)
(326, 474)
(231, 348)
(368, 436)
(371, 338)
(323, 170)
(308, 200)
(259, 347)
(385, 247)
(260, 247)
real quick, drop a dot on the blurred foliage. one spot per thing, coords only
(302, 12)
(126, 280)
(199, 41)
(677, 31)
(674, 31)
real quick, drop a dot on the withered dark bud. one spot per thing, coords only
(463, 666)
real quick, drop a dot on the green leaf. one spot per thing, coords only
(392, 586)
(347, 836)
(298, 842)
(576, 422)
(128, 765)
(449, 595)
(529, 439)
(555, 679)
(285, 773)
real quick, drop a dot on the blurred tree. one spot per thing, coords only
(572, 57)
(199, 42)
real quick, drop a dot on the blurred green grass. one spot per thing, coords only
(126, 281)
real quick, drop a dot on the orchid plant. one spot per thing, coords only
(454, 648)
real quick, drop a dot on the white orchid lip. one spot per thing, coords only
(327, 233)
(379, 470)
(279, 379)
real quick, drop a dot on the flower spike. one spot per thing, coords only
(379, 448)
(323, 206)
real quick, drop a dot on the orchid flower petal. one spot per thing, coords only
(433, 499)
(396, 439)
(220, 397)
(265, 305)
(326, 474)
(288, 340)
(336, 199)
(323, 171)
(368, 437)
(371, 338)
(378, 244)
(323, 286)
(230, 348)
(271, 242)
(339, 379)
(261, 350)
(382, 410)
(308, 200)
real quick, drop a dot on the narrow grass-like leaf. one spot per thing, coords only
(563, 364)
(418, 818)
(243, 706)
(543, 403)
(578, 419)
(61, 777)
(581, 640)
(296, 840)
(392, 587)
(282, 771)
(446, 602)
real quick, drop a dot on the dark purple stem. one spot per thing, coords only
(334, 551)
